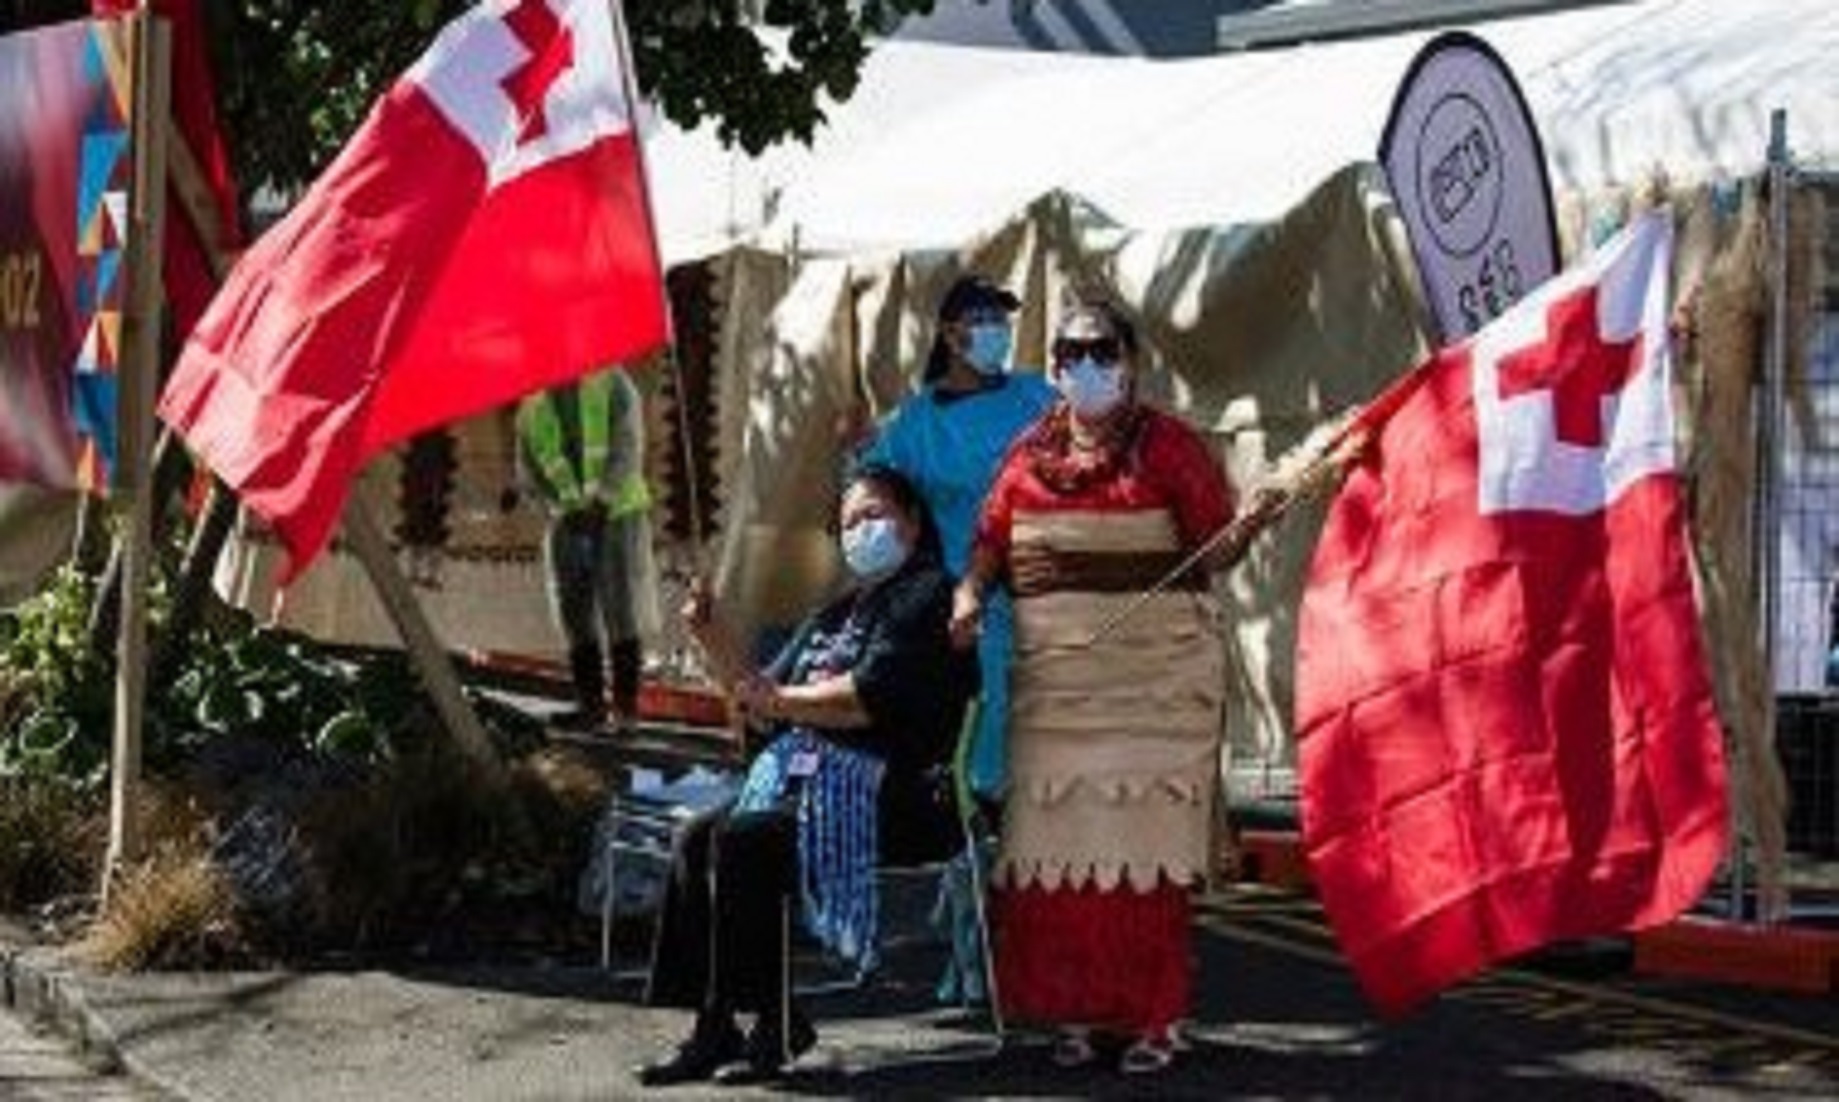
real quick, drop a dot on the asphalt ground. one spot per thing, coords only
(1277, 1016)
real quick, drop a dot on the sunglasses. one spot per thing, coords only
(1105, 350)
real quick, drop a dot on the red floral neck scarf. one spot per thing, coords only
(1066, 469)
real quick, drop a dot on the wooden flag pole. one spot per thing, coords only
(137, 371)
(211, 529)
(1310, 470)
(194, 193)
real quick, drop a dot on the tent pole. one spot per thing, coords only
(151, 45)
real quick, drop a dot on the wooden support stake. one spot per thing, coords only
(431, 660)
(138, 370)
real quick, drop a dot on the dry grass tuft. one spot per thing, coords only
(50, 843)
(427, 857)
(172, 910)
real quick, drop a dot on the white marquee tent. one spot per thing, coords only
(942, 143)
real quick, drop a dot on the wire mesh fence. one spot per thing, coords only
(1807, 625)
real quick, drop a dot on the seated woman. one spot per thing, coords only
(866, 700)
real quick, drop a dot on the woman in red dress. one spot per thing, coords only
(1114, 742)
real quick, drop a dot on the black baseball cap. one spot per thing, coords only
(975, 292)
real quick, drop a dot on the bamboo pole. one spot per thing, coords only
(1313, 468)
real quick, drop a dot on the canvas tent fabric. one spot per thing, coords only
(1253, 333)
(942, 143)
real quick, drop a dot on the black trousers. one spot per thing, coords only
(721, 933)
(722, 925)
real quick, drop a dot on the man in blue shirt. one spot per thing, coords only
(949, 439)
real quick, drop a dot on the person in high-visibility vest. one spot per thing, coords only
(581, 448)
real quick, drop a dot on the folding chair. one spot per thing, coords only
(642, 829)
(969, 822)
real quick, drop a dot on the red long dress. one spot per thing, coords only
(1113, 745)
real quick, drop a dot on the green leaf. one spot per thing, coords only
(348, 734)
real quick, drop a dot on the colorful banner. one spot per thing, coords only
(65, 167)
(1464, 162)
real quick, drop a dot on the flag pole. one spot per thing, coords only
(1301, 473)
(188, 182)
(629, 85)
(1268, 503)
(679, 381)
(1307, 470)
(151, 45)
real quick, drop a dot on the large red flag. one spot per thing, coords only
(1507, 734)
(484, 234)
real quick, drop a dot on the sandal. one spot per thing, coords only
(1147, 1056)
(1073, 1048)
(1178, 1036)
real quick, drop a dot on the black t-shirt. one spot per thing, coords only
(912, 683)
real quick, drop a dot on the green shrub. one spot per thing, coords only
(56, 695)
(397, 843)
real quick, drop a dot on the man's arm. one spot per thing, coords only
(967, 598)
(626, 443)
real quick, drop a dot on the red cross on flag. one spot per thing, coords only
(484, 234)
(1506, 728)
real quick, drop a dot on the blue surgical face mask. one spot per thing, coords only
(872, 547)
(989, 347)
(1092, 389)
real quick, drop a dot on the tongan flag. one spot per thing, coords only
(1506, 727)
(484, 234)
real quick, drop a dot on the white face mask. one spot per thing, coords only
(872, 547)
(989, 347)
(1091, 388)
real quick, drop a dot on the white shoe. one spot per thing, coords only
(1147, 1056)
(1073, 1048)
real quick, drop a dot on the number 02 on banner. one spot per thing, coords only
(19, 284)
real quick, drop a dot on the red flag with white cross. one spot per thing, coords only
(484, 234)
(1506, 728)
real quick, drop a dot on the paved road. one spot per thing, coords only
(1279, 1018)
(1574, 1024)
(36, 1066)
